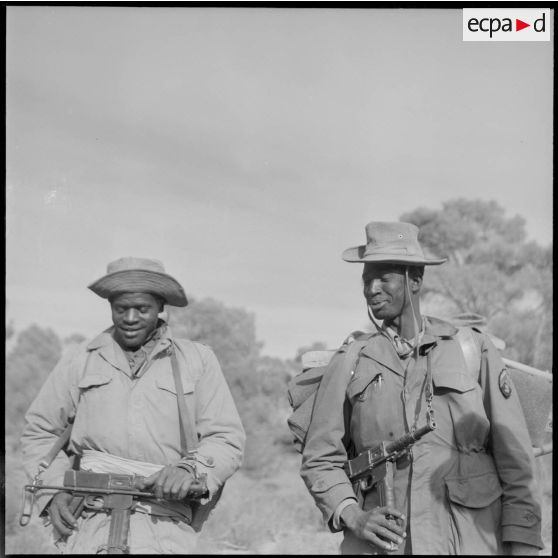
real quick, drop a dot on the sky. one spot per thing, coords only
(246, 148)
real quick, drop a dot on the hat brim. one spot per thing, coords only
(356, 254)
(140, 281)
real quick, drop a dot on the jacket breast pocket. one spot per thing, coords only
(453, 380)
(458, 401)
(165, 402)
(362, 385)
(168, 385)
(99, 403)
(92, 381)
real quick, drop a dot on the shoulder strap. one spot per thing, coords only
(471, 350)
(188, 433)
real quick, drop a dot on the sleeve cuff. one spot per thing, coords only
(521, 525)
(526, 535)
(336, 519)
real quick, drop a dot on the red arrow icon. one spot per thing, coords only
(519, 25)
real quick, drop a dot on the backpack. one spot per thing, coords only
(534, 387)
(302, 389)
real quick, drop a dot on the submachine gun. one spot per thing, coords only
(117, 494)
(375, 467)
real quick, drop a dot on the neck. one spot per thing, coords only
(404, 323)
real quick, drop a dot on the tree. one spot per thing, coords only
(74, 339)
(230, 332)
(36, 352)
(9, 330)
(492, 270)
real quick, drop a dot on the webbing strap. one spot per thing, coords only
(470, 349)
(188, 436)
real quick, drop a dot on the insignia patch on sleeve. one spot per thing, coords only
(505, 383)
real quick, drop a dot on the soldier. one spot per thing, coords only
(122, 395)
(468, 487)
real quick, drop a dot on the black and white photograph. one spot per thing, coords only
(279, 278)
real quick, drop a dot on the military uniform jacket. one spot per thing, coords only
(470, 484)
(134, 417)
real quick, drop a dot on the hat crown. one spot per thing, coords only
(139, 275)
(390, 242)
(131, 263)
(397, 238)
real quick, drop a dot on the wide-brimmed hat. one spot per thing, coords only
(387, 242)
(139, 275)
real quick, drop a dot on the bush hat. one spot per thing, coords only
(386, 242)
(139, 275)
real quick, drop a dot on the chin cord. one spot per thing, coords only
(371, 316)
(415, 322)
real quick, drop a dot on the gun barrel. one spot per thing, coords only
(86, 490)
(408, 439)
(369, 459)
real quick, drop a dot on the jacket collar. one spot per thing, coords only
(381, 349)
(109, 349)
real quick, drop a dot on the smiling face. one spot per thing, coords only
(134, 316)
(385, 291)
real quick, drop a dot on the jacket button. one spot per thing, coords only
(209, 460)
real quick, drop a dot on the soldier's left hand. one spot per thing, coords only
(170, 483)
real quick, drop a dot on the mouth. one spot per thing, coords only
(130, 332)
(376, 303)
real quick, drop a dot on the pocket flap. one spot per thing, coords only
(94, 379)
(474, 492)
(167, 383)
(455, 379)
(359, 383)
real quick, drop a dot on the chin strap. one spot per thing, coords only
(415, 321)
(372, 319)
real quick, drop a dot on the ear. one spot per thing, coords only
(415, 282)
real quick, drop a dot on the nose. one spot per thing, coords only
(131, 315)
(372, 287)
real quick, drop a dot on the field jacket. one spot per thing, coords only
(469, 485)
(133, 418)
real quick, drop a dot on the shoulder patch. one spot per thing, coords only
(504, 382)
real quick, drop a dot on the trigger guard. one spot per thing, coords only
(94, 502)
